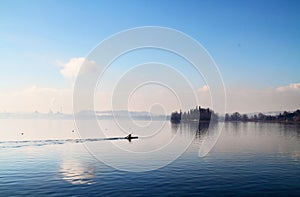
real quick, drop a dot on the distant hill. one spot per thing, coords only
(137, 115)
(35, 115)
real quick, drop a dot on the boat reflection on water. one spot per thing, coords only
(76, 172)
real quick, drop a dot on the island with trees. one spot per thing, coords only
(197, 114)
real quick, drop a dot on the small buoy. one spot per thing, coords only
(73, 131)
(22, 133)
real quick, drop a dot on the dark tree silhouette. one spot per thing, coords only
(260, 117)
(176, 117)
(196, 114)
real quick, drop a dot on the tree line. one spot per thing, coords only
(260, 117)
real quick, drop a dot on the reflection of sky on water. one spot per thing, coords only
(36, 129)
(236, 138)
(76, 172)
(260, 138)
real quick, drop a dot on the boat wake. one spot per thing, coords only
(25, 143)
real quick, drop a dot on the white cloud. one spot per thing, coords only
(71, 69)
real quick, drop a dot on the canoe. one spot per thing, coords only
(130, 138)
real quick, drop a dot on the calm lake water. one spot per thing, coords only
(249, 159)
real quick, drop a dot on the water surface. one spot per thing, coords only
(248, 159)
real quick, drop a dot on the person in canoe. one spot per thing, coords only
(129, 136)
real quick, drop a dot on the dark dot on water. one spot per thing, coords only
(72, 130)
(22, 133)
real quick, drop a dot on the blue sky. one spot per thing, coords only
(256, 44)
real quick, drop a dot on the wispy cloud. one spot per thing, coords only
(244, 100)
(267, 99)
(204, 88)
(238, 99)
(290, 87)
(37, 98)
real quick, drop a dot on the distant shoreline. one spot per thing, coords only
(205, 115)
(234, 121)
(266, 121)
